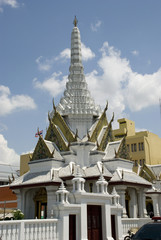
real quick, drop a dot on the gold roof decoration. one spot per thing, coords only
(107, 137)
(54, 134)
(102, 121)
(147, 173)
(123, 150)
(58, 120)
(75, 22)
(41, 150)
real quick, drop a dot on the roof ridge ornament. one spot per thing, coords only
(75, 22)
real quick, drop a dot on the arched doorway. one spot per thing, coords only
(40, 200)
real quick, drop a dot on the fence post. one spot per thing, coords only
(22, 230)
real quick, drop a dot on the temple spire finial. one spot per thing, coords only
(75, 22)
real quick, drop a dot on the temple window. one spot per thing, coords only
(76, 186)
(132, 147)
(91, 187)
(135, 148)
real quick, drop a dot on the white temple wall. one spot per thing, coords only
(80, 122)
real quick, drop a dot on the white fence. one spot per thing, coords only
(46, 229)
(128, 223)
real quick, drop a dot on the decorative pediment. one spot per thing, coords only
(147, 173)
(41, 151)
(58, 120)
(107, 137)
(123, 150)
(102, 121)
(54, 135)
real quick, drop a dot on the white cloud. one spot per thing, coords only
(8, 103)
(135, 52)
(53, 84)
(87, 53)
(44, 64)
(11, 3)
(8, 155)
(120, 85)
(116, 82)
(65, 54)
(95, 26)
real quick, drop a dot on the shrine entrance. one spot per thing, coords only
(72, 227)
(94, 220)
(41, 203)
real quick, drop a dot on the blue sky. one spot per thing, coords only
(121, 46)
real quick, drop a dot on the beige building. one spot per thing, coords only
(144, 146)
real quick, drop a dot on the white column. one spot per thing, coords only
(21, 199)
(142, 213)
(108, 222)
(51, 199)
(64, 226)
(119, 228)
(133, 203)
(84, 224)
(121, 191)
(155, 204)
(144, 205)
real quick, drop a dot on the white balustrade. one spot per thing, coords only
(42, 229)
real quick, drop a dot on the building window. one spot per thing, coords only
(132, 147)
(142, 162)
(141, 146)
(135, 148)
(135, 163)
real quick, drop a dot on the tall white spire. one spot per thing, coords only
(77, 104)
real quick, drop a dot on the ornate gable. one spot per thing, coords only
(107, 137)
(59, 121)
(147, 173)
(100, 124)
(123, 150)
(54, 135)
(41, 150)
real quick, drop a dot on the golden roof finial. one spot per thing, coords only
(54, 107)
(75, 22)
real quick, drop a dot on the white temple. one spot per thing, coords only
(78, 173)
